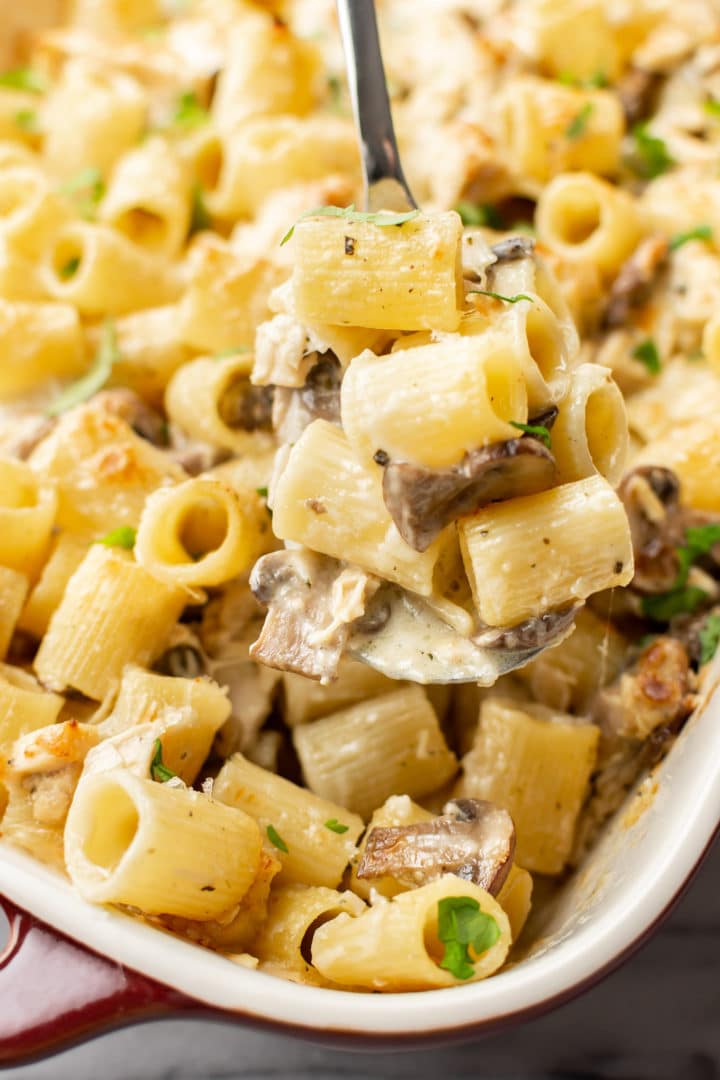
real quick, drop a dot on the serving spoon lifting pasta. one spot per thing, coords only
(403, 637)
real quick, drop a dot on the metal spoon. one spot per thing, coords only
(413, 642)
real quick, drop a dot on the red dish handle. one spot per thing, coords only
(54, 991)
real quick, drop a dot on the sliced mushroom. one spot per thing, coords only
(658, 523)
(312, 601)
(473, 839)
(635, 280)
(246, 406)
(514, 247)
(423, 501)
(637, 90)
(318, 399)
(183, 661)
(130, 407)
(535, 633)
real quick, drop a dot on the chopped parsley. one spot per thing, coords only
(158, 771)
(479, 214)
(499, 296)
(381, 218)
(86, 188)
(123, 536)
(651, 156)
(200, 215)
(700, 232)
(70, 268)
(189, 113)
(276, 839)
(712, 107)
(539, 431)
(709, 638)
(95, 378)
(699, 540)
(335, 94)
(461, 925)
(23, 78)
(336, 826)
(26, 120)
(596, 81)
(646, 352)
(577, 126)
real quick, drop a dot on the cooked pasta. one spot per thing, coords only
(270, 461)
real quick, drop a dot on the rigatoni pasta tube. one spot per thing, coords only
(13, 590)
(515, 898)
(201, 532)
(328, 501)
(28, 504)
(164, 850)
(395, 945)
(101, 272)
(66, 554)
(529, 555)
(212, 399)
(390, 745)
(536, 337)
(113, 613)
(316, 854)
(24, 706)
(92, 116)
(150, 350)
(535, 763)
(692, 451)
(395, 277)
(582, 217)
(266, 153)
(38, 341)
(590, 433)
(306, 699)
(574, 39)
(148, 197)
(30, 211)
(432, 404)
(295, 913)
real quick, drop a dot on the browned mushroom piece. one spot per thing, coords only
(246, 406)
(472, 839)
(658, 524)
(130, 407)
(535, 633)
(319, 399)
(423, 501)
(635, 280)
(312, 602)
(637, 90)
(514, 247)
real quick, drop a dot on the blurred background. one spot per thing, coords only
(658, 1018)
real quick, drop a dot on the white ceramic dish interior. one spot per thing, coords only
(648, 853)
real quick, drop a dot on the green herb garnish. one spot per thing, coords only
(24, 78)
(87, 188)
(26, 120)
(200, 215)
(94, 379)
(596, 81)
(578, 124)
(479, 214)
(646, 352)
(498, 296)
(461, 924)
(651, 156)
(189, 113)
(539, 431)
(276, 839)
(712, 107)
(124, 537)
(709, 638)
(700, 232)
(336, 826)
(158, 771)
(262, 492)
(381, 218)
(699, 541)
(70, 268)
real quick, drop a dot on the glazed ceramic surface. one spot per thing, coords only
(647, 855)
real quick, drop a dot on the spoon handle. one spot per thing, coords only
(385, 185)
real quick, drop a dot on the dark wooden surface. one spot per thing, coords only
(656, 1019)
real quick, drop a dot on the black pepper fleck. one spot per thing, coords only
(349, 245)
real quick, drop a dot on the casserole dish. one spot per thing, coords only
(71, 969)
